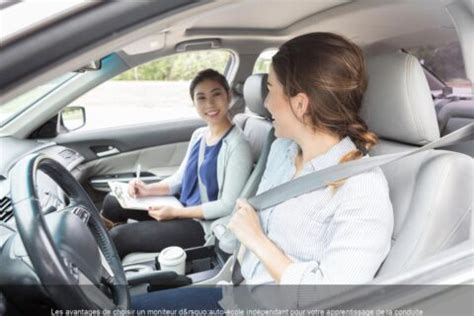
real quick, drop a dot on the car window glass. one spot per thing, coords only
(445, 61)
(262, 64)
(16, 106)
(154, 92)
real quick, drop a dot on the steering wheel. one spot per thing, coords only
(63, 246)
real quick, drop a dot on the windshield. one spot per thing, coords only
(14, 107)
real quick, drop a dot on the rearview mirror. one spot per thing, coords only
(73, 117)
(92, 66)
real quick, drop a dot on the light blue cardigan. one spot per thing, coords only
(234, 164)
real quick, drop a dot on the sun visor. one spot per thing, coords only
(147, 44)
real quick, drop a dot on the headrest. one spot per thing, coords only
(255, 92)
(397, 104)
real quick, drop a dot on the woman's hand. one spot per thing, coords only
(137, 188)
(163, 213)
(245, 224)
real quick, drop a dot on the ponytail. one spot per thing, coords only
(364, 141)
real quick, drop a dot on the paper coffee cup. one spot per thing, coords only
(172, 259)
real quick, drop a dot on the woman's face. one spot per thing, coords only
(278, 104)
(211, 101)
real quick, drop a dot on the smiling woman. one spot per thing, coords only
(211, 176)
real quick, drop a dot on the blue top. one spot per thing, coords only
(190, 194)
(208, 170)
(190, 188)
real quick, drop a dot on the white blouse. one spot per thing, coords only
(333, 236)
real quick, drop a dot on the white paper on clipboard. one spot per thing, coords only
(120, 191)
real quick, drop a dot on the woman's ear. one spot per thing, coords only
(300, 104)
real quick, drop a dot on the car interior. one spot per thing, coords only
(53, 179)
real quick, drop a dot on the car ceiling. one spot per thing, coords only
(261, 15)
(249, 26)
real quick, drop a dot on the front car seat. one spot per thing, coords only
(431, 192)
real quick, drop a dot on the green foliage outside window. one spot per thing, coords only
(182, 66)
(262, 66)
(263, 62)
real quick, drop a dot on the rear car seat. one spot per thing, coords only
(454, 115)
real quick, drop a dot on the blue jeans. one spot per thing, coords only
(191, 298)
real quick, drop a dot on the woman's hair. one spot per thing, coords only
(330, 70)
(208, 74)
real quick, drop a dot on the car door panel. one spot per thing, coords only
(156, 163)
(158, 148)
(128, 138)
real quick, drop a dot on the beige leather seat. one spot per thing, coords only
(432, 191)
(256, 124)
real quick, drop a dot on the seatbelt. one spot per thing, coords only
(201, 186)
(319, 179)
(225, 240)
(259, 168)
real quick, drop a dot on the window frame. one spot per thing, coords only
(275, 49)
(441, 46)
(230, 70)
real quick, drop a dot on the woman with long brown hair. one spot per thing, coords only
(339, 234)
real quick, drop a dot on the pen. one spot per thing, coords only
(137, 178)
(138, 171)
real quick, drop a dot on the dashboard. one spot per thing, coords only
(50, 195)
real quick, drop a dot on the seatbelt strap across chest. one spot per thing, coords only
(322, 178)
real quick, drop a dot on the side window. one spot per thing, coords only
(262, 64)
(154, 92)
(445, 62)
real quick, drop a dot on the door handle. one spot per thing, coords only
(104, 151)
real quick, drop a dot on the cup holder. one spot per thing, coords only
(202, 263)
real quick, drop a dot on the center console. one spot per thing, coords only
(202, 263)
